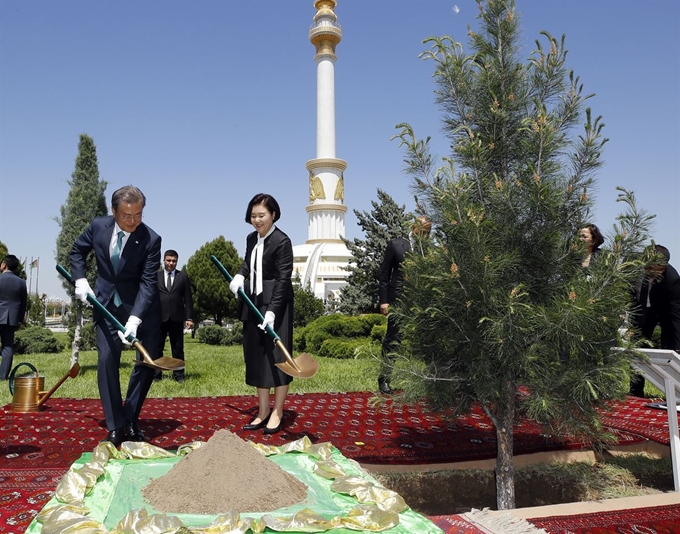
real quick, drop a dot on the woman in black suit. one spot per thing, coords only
(265, 276)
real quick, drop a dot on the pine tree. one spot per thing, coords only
(500, 312)
(386, 221)
(85, 201)
(210, 288)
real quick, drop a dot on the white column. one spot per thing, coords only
(325, 108)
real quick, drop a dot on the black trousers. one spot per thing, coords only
(175, 330)
(389, 344)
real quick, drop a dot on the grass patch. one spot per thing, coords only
(212, 370)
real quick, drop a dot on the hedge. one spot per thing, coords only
(36, 340)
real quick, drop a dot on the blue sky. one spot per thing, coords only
(202, 104)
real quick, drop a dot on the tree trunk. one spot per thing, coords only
(77, 334)
(505, 466)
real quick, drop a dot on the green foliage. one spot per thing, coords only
(378, 332)
(338, 327)
(218, 335)
(35, 310)
(344, 348)
(84, 202)
(386, 221)
(36, 339)
(501, 296)
(88, 336)
(212, 298)
(307, 306)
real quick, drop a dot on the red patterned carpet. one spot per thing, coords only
(657, 519)
(37, 448)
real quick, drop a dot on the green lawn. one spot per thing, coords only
(211, 371)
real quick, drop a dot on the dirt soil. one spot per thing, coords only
(455, 491)
(225, 475)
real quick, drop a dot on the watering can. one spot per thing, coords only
(27, 390)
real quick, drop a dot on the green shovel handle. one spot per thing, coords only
(249, 302)
(100, 307)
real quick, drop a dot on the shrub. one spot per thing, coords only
(336, 327)
(212, 335)
(216, 335)
(343, 349)
(378, 332)
(233, 334)
(88, 336)
(35, 340)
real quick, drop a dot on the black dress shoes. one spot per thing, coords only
(133, 433)
(257, 426)
(116, 437)
(384, 386)
(274, 430)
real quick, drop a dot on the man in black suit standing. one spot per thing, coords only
(177, 309)
(128, 253)
(389, 289)
(658, 300)
(13, 297)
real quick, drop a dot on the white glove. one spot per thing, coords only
(130, 329)
(269, 318)
(236, 284)
(83, 289)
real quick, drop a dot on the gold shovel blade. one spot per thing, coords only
(163, 363)
(304, 366)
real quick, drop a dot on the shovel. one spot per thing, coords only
(304, 366)
(163, 363)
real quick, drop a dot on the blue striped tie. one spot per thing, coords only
(115, 256)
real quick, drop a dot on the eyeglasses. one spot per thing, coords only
(127, 217)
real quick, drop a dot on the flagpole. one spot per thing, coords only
(30, 276)
(37, 275)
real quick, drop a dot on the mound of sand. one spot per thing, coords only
(225, 475)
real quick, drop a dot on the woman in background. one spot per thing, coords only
(591, 237)
(265, 276)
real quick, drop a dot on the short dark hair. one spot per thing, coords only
(128, 194)
(598, 239)
(12, 262)
(269, 203)
(171, 253)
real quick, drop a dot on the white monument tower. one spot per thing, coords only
(321, 260)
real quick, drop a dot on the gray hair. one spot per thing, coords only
(128, 194)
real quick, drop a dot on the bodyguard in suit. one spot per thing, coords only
(12, 310)
(389, 289)
(658, 300)
(177, 309)
(128, 253)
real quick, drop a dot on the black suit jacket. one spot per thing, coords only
(664, 299)
(12, 299)
(136, 278)
(277, 267)
(176, 304)
(391, 274)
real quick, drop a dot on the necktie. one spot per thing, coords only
(168, 284)
(115, 256)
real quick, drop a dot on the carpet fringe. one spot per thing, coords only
(501, 522)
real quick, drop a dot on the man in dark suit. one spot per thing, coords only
(658, 300)
(177, 309)
(389, 289)
(128, 253)
(13, 297)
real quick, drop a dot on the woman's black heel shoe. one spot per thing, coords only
(257, 426)
(274, 430)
